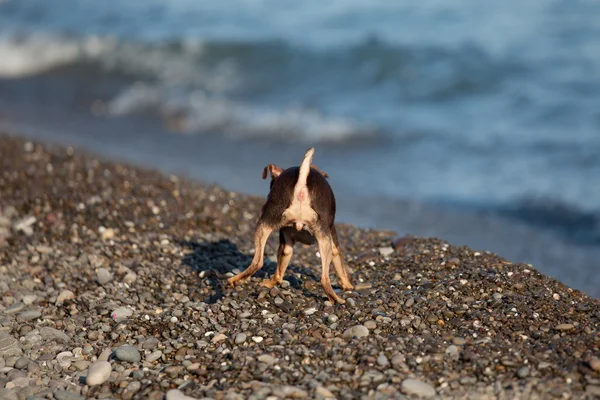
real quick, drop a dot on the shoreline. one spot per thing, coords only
(96, 255)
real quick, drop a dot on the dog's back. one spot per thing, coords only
(281, 196)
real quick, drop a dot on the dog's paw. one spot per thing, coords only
(235, 281)
(269, 283)
(347, 288)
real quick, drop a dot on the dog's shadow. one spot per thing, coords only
(212, 261)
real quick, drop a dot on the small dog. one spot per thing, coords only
(301, 205)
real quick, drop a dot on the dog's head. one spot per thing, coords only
(276, 171)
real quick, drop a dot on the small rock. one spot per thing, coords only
(267, 359)
(240, 338)
(121, 314)
(98, 373)
(564, 327)
(81, 365)
(64, 296)
(128, 354)
(130, 278)
(324, 392)
(218, 338)
(30, 315)
(409, 302)
(453, 351)
(176, 394)
(278, 301)
(104, 276)
(64, 359)
(22, 363)
(418, 388)
(133, 387)
(459, 341)
(257, 339)
(595, 363)
(155, 355)
(370, 324)
(363, 286)
(15, 308)
(357, 331)
(351, 302)
(382, 360)
(29, 299)
(52, 334)
(108, 234)
(523, 372)
(386, 251)
(66, 395)
(150, 343)
(8, 394)
(9, 346)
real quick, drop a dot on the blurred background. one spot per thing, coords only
(475, 122)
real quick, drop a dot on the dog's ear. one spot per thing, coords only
(273, 169)
(318, 170)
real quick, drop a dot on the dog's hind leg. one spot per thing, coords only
(338, 262)
(261, 234)
(325, 248)
(284, 254)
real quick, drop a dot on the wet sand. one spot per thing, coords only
(105, 262)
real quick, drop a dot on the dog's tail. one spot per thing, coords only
(305, 168)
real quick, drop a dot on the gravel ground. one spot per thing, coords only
(113, 286)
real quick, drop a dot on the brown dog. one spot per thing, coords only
(301, 205)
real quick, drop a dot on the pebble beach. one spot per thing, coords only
(113, 286)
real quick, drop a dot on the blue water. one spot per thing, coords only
(478, 122)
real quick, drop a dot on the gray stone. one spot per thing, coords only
(104, 276)
(150, 343)
(176, 394)
(9, 346)
(8, 394)
(30, 315)
(382, 360)
(267, 359)
(51, 334)
(523, 372)
(240, 338)
(417, 388)
(386, 251)
(98, 373)
(155, 355)
(15, 308)
(66, 395)
(595, 363)
(64, 296)
(357, 331)
(128, 354)
(22, 363)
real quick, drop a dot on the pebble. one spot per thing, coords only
(417, 388)
(240, 338)
(104, 276)
(357, 331)
(9, 346)
(29, 299)
(64, 359)
(219, 338)
(458, 341)
(22, 363)
(98, 373)
(595, 363)
(128, 354)
(386, 251)
(30, 315)
(523, 372)
(150, 343)
(564, 327)
(382, 360)
(121, 314)
(351, 302)
(324, 392)
(370, 324)
(267, 359)
(130, 278)
(134, 387)
(409, 302)
(64, 296)
(52, 334)
(105, 355)
(66, 395)
(257, 339)
(155, 355)
(278, 301)
(176, 394)
(453, 351)
(15, 308)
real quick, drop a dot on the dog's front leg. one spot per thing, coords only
(261, 234)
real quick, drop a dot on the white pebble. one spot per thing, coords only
(98, 373)
(257, 339)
